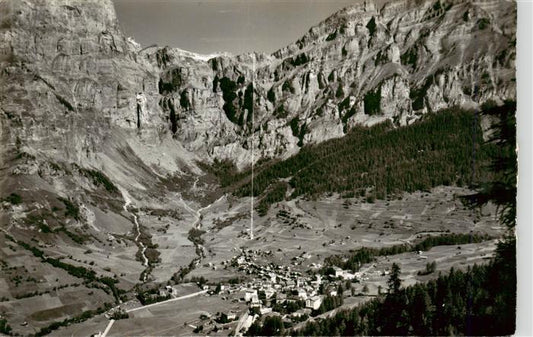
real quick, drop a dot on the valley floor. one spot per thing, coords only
(295, 235)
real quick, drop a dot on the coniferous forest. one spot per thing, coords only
(288, 167)
(479, 301)
(382, 161)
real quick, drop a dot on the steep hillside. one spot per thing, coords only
(107, 147)
(74, 76)
(381, 161)
(85, 154)
(89, 116)
(80, 100)
(363, 65)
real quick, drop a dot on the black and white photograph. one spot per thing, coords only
(264, 168)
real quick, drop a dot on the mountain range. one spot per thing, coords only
(97, 129)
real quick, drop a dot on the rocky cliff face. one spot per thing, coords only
(100, 138)
(76, 88)
(361, 66)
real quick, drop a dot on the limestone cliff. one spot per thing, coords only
(76, 89)
(360, 66)
(101, 138)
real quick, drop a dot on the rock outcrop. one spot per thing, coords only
(73, 81)
(74, 90)
(361, 66)
(102, 139)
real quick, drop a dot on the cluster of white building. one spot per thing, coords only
(344, 274)
(273, 282)
(283, 284)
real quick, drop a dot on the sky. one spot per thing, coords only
(235, 26)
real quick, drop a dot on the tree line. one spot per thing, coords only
(380, 162)
(88, 275)
(478, 301)
(364, 255)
